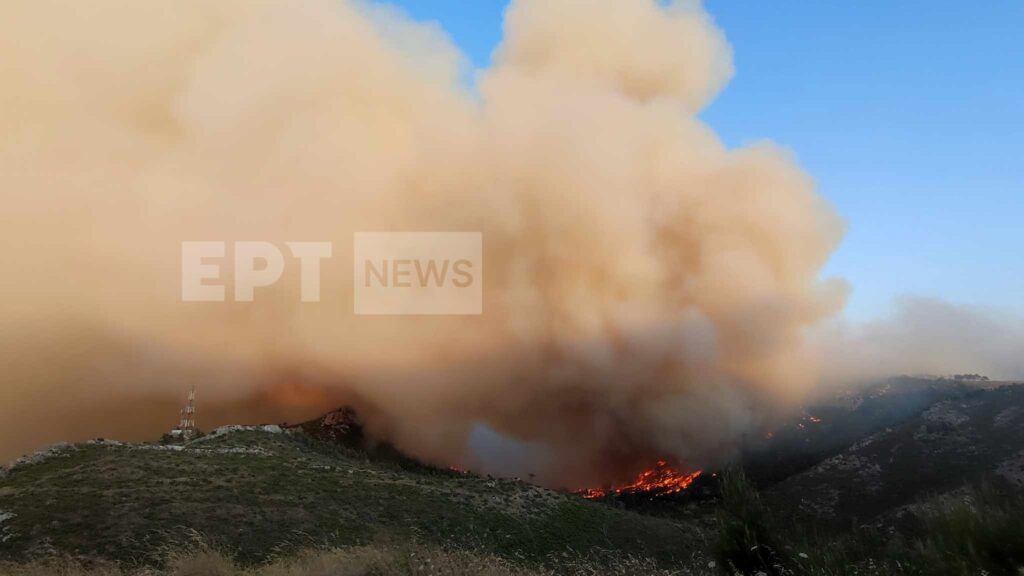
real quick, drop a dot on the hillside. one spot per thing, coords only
(867, 457)
(835, 424)
(263, 491)
(895, 457)
(974, 438)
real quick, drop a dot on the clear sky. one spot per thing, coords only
(909, 114)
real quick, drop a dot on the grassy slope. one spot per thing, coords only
(257, 494)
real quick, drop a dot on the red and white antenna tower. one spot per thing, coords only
(188, 413)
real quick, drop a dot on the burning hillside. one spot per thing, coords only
(661, 480)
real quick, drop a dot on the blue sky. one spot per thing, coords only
(908, 114)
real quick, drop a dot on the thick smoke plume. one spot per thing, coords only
(648, 291)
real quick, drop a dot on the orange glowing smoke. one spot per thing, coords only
(658, 481)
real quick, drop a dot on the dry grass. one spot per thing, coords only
(385, 561)
(58, 568)
(354, 561)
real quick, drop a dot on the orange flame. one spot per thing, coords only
(658, 481)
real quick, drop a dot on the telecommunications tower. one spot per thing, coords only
(187, 424)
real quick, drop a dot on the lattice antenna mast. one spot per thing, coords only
(188, 413)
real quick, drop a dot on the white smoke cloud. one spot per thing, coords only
(924, 336)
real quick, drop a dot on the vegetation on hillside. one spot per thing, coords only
(265, 502)
(980, 530)
(256, 495)
(406, 560)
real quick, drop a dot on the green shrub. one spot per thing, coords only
(746, 542)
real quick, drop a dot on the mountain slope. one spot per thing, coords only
(966, 440)
(256, 492)
(834, 425)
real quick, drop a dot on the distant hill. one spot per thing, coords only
(869, 454)
(827, 428)
(974, 437)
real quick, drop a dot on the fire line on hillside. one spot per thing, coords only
(661, 480)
